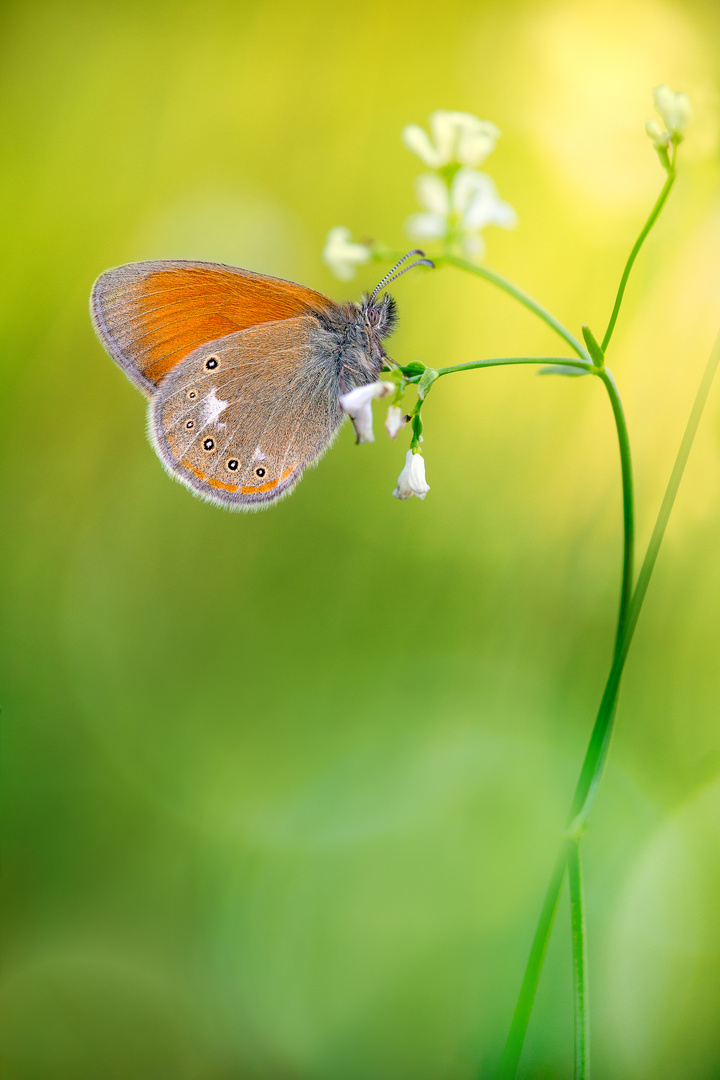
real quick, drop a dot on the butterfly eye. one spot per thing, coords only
(233, 464)
(209, 444)
(192, 394)
(373, 316)
(190, 425)
(211, 363)
(260, 472)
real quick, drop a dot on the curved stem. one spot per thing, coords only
(667, 187)
(502, 361)
(593, 764)
(623, 444)
(594, 758)
(384, 254)
(518, 294)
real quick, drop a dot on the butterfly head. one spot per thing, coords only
(380, 317)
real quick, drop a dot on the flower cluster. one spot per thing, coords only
(458, 201)
(358, 405)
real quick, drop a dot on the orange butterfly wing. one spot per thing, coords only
(151, 315)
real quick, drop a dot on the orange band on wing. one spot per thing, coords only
(223, 487)
(208, 479)
(247, 490)
(267, 486)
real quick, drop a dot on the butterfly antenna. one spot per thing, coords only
(392, 275)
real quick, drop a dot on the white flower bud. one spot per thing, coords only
(357, 404)
(411, 480)
(660, 137)
(394, 420)
(342, 255)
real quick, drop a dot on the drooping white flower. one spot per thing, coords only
(461, 210)
(357, 404)
(342, 255)
(457, 138)
(674, 108)
(394, 420)
(411, 480)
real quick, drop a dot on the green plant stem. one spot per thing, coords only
(629, 610)
(518, 294)
(502, 361)
(667, 187)
(597, 749)
(579, 963)
(623, 444)
(596, 754)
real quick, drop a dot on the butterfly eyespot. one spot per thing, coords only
(233, 464)
(260, 472)
(209, 444)
(192, 394)
(190, 425)
(211, 363)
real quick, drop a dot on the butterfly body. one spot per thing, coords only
(244, 372)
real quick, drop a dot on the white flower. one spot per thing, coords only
(674, 108)
(358, 405)
(394, 420)
(342, 255)
(460, 138)
(462, 210)
(411, 480)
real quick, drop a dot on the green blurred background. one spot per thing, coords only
(281, 792)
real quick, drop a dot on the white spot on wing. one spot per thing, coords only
(212, 407)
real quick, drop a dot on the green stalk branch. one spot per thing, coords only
(667, 187)
(383, 254)
(518, 294)
(597, 749)
(502, 361)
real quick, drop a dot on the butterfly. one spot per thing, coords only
(243, 372)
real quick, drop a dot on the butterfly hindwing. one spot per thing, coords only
(241, 417)
(151, 315)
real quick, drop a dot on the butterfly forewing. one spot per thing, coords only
(151, 315)
(241, 417)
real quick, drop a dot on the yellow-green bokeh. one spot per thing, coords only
(281, 792)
